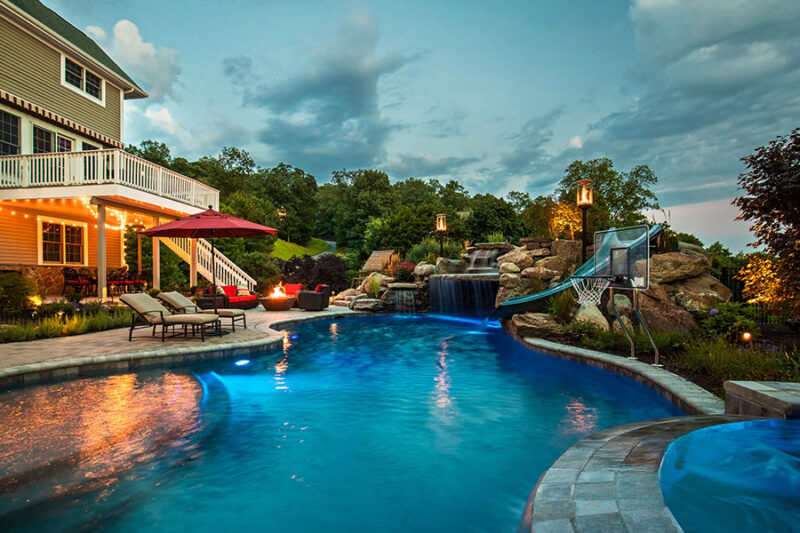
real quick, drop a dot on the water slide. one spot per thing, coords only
(538, 302)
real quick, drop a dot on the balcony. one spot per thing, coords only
(103, 167)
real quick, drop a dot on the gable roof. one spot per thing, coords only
(57, 24)
(377, 261)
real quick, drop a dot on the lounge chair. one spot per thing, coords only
(315, 300)
(155, 314)
(181, 304)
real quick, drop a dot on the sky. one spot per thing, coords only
(499, 95)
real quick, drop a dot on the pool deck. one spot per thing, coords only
(609, 481)
(28, 363)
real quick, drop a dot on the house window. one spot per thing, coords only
(86, 146)
(51, 242)
(44, 141)
(80, 78)
(62, 242)
(9, 134)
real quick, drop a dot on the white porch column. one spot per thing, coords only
(157, 259)
(102, 292)
(193, 263)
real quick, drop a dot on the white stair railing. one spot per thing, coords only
(228, 273)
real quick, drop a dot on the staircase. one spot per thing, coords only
(227, 271)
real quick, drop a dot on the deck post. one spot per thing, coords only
(157, 259)
(102, 292)
(193, 263)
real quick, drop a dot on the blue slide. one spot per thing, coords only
(538, 302)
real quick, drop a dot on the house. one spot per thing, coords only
(68, 190)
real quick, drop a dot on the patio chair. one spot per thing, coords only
(154, 314)
(115, 280)
(181, 304)
(91, 280)
(315, 300)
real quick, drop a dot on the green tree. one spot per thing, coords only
(153, 151)
(328, 200)
(536, 217)
(491, 214)
(366, 194)
(520, 201)
(174, 270)
(619, 197)
(454, 195)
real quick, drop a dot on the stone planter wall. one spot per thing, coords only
(49, 279)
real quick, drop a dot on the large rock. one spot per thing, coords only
(661, 313)
(347, 293)
(537, 272)
(509, 280)
(566, 249)
(553, 262)
(675, 266)
(509, 268)
(535, 325)
(625, 320)
(699, 294)
(689, 248)
(450, 266)
(518, 256)
(368, 304)
(591, 314)
(623, 304)
(423, 270)
(539, 252)
(365, 285)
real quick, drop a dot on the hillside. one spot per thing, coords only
(286, 250)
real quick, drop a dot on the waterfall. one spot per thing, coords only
(403, 300)
(466, 294)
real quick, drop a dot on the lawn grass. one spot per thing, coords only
(286, 250)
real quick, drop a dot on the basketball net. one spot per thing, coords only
(590, 290)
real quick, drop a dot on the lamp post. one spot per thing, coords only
(585, 199)
(441, 228)
(281, 211)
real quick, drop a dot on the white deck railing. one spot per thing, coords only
(227, 271)
(98, 167)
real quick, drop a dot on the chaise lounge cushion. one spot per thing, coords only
(182, 304)
(155, 313)
(191, 318)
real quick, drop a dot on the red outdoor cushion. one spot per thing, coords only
(292, 288)
(235, 299)
(230, 290)
(320, 287)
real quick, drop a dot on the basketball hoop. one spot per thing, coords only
(590, 288)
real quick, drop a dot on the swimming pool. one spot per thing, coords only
(746, 474)
(389, 423)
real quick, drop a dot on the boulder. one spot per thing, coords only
(509, 268)
(364, 287)
(423, 270)
(538, 272)
(661, 313)
(623, 303)
(518, 256)
(347, 293)
(699, 294)
(450, 266)
(368, 304)
(554, 263)
(688, 248)
(509, 280)
(591, 314)
(566, 249)
(535, 325)
(539, 252)
(625, 320)
(675, 266)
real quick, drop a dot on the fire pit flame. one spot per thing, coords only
(278, 291)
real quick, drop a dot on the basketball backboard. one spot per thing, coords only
(624, 256)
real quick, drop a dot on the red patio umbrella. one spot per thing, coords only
(209, 225)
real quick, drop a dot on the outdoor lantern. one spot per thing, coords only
(585, 197)
(441, 222)
(282, 212)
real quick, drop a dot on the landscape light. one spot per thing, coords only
(585, 193)
(441, 222)
(747, 336)
(242, 362)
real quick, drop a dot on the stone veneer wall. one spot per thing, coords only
(49, 279)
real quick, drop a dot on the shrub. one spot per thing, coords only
(153, 292)
(299, 269)
(53, 308)
(730, 320)
(18, 333)
(49, 328)
(331, 269)
(404, 272)
(74, 297)
(722, 360)
(374, 287)
(18, 295)
(562, 306)
(75, 325)
(91, 308)
(428, 250)
(496, 236)
(598, 339)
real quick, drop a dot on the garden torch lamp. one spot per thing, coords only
(585, 199)
(441, 228)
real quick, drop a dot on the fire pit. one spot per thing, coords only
(277, 300)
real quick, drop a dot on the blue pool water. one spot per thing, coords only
(743, 476)
(395, 423)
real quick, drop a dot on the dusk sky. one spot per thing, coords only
(502, 96)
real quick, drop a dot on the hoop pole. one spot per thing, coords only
(644, 326)
(619, 321)
(583, 234)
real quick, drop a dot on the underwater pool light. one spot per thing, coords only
(242, 362)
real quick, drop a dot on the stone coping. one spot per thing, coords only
(691, 398)
(173, 352)
(768, 398)
(609, 481)
(486, 276)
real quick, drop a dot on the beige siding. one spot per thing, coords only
(31, 70)
(19, 238)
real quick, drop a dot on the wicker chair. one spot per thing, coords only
(315, 300)
(74, 280)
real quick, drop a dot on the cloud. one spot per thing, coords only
(529, 155)
(156, 70)
(407, 165)
(444, 121)
(238, 67)
(576, 142)
(328, 116)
